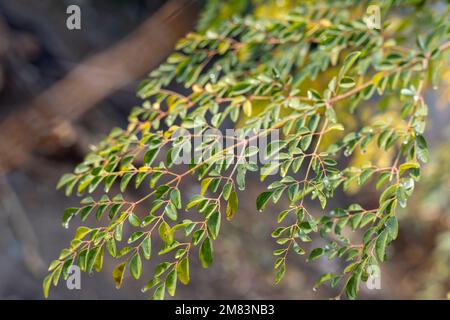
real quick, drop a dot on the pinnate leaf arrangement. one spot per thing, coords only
(263, 74)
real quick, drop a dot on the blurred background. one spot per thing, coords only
(62, 90)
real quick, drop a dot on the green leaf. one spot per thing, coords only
(297, 249)
(227, 190)
(270, 167)
(183, 271)
(117, 274)
(134, 220)
(315, 254)
(135, 236)
(380, 245)
(46, 284)
(91, 258)
(247, 108)
(262, 200)
(171, 211)
(111, 247)
(171, 282)
(232, 205)
(381, 179)
(53, 265)
(169, 247)
(125, 181)
(305, 142)
(408, 165)
(136, 266)
(352, 287)
(69, 213)
(331, 114)
(155, 281)
(146, 247)
(422, 149)
(65, 179)
(280, 273)
(98, 263)
(56, 275)
(365, 175)
(81, 233)
(206, 253)
(282, 216)
(348, 63)
(347, 82)
(150, 156)
(165, 232)
(204, 185)
(241, 88)
(175, 197)
(159, 293)
(213, 224)
(387, 193)
(161, 268)
(84, 183)
(392, 227)
(82, 259)
(197, 236)
(324, 278)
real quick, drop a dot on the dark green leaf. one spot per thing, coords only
(206, 253)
